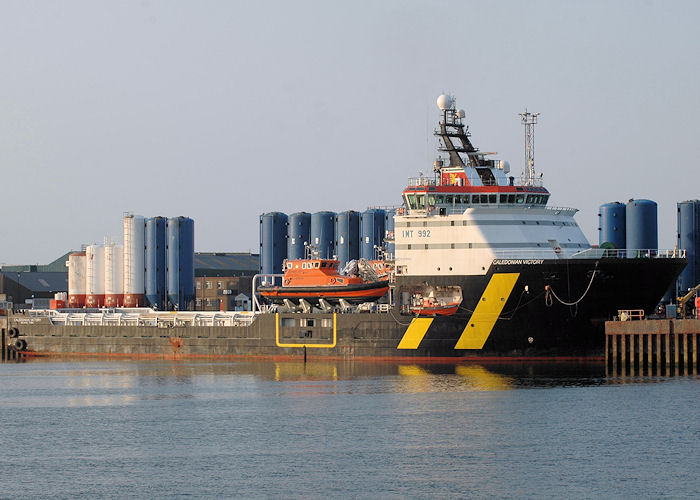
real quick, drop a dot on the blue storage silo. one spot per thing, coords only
(298, 233)
(641, 230)
(347, 236)
(323, 234)
(155, 262)
(689, 240)
(273, 242)
(389, 233)
(371, 231)
(612, 224)
(180, 262)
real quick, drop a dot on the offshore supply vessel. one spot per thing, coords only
(482, 266)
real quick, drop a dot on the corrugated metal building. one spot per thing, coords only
(221, 277)
(21, 285)
(226, 264)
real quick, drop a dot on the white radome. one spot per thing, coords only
(506, 167)
(445, 102)
(461, 113)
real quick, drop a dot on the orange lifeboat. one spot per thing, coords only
(436, 300)
(314, 279)
(431, 307)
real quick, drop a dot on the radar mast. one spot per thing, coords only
(529, 120)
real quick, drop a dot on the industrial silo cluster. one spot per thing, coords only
(633, 227)
(154, 267)
(345, 236)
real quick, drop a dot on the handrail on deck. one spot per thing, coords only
(629, 315)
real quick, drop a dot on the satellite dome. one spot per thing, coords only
(506, 167)
(445, 102)
(461, 113)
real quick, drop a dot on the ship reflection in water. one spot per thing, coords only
(321, 376)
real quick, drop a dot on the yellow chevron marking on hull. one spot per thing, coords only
(487, 311)
(414, 333)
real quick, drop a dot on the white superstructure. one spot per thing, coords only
(472, 213)
(467, 243)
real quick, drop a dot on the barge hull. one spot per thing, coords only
(506, 312)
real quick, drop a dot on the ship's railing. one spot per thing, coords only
(629, 253)
(427, 181)
(420, 181)
(151, 318)
(534, 254)
(588, 253)
(537, 181)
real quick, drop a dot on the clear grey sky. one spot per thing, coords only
(223, 110)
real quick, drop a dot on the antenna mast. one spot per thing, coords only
(529, 120)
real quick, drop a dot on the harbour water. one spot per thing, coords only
(134, 429)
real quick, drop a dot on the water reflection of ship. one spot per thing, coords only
(415, 378)
(410, 377)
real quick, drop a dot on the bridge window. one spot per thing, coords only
(420, 201)
(440, 199)
(431, 200)
(492, 198)
(411, 200)
(448, 199)
(519, 199)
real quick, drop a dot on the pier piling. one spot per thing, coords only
(652, 347)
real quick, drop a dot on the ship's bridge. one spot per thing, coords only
(429, 194)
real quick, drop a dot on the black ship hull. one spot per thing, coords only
(554, 306)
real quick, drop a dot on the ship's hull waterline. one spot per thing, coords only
(506, 312)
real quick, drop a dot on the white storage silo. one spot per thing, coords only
(95, 276)
(114, 280)
(76, 279)
(134, 260)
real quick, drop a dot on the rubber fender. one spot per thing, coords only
(20, 344)
(13, 333)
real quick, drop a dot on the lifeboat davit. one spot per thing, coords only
(314, 279)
